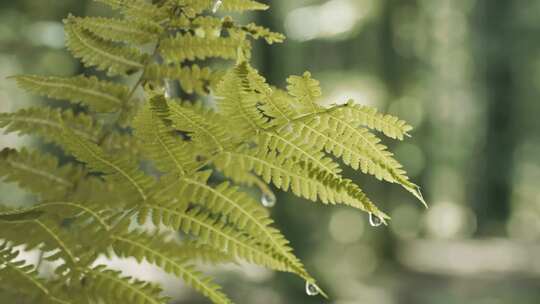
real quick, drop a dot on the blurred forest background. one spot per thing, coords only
(464, 73)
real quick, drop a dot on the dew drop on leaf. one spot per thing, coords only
(311, 289)
(167, 90)
(217, 5)
(268, 200)
(374, 220)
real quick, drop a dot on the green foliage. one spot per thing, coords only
(153, 169)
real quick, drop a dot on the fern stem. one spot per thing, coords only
(133, 90)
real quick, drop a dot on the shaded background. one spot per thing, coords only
(464, 73)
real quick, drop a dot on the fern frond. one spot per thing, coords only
(202, 125)
(192, 79)
(279, 106)
(391, 126)
(294, 146)
(102, 54)
(193, 251)
(162, 146)
(99, 96)
(306, 90)
(38, 173)
(216, 233)
(240, 210)
(110, 286)
(155, 250)
(49, 123)
(357, 147)
(47, 236)
(184, 47)
(287, 173)
(258, 32)
(135, 31)
(243, 5)
(23, 278)
(238, 100)
(119, 170)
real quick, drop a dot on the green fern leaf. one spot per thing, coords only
(99, 96)
(184, 47)
(110, 286)
(306, 90)
(258, 32)
(160, 143)
(216, 233)
(193, 251)
(287, 173)
(101, 54)
(38, 173)
(193, 79)
(165, 255)
(45, 235)
(238, 100)
(202, 126)
(240, 210)
(49, 123)
(390, 125)
(243, 5)
(119, 170)
(23, 278)
(280, 107)
(121, 30)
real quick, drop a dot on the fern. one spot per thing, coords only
(155, 166)
(99, 96)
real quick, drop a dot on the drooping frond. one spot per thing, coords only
(135, 31)
(357, 147)
(104, 55)
(38, 173)
(286, 173)
(119, 170)
(49, 123)
(167, 255)
(110, 286)
(192, 79)
(99, 96)
(391, 126)
(216, 233)
(240, 210)
(184, 47)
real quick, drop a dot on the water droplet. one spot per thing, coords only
(217, 5)
(268, 200)
(374, 220)
(167, 90)
(312, 289)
